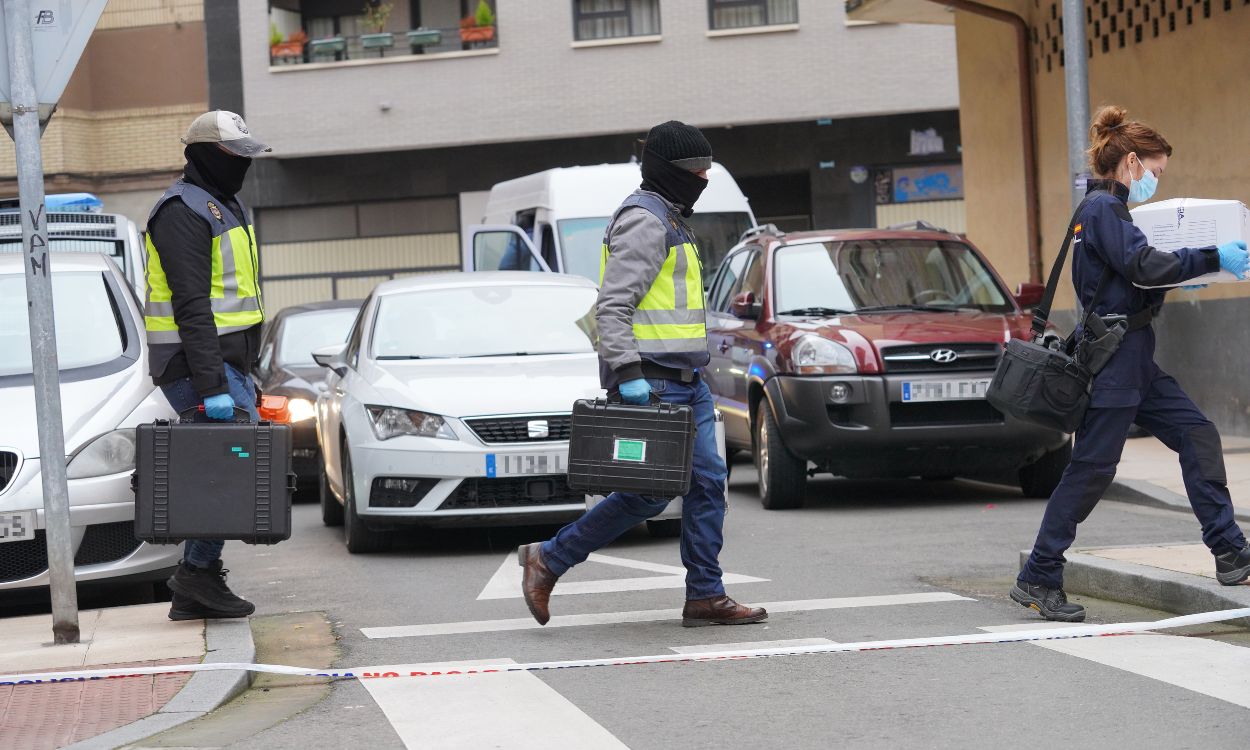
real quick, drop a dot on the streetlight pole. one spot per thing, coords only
(26, 133)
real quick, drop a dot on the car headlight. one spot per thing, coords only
(814, 355)
(389, 422)
(110, 453)
(301, 409)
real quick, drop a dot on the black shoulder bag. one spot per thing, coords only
(1048, 383)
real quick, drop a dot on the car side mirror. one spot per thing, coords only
(744, 306)
(332, 357)
(1029, 295)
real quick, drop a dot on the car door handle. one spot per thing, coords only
(724, 347)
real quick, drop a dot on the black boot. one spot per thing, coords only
(207, 588)
(1053, 604)
(1232, 568)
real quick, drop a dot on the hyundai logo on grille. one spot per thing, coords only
(943, 356)
(538, 429)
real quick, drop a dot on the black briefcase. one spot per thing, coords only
(615, 447)
(197, 479)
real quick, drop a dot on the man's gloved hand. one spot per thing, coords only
(220, 406)
(1234, 258)
(1194, 287)
(636, 391)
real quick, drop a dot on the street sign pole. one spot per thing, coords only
(1076, 87)
(26, 132)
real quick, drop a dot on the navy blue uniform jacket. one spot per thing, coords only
(1106, 237)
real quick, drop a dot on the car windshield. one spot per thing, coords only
(581, 240)
(483, 321)
(87, 330)
(887, 274)
(304, 332)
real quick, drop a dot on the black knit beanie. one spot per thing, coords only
(674, 151)
(677, 142)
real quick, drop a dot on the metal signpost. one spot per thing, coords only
(43, 42)
(1076, 80)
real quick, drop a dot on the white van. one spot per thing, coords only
(555, 220)
(77, 224)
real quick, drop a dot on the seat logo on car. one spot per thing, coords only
(943, 356)
(538, 428)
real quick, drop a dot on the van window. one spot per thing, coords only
(502, 251)
(716, 233)
(582, 243)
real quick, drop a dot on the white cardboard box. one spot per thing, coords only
(1194, 222)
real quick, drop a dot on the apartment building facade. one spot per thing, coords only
(390, 120)
(141, 79)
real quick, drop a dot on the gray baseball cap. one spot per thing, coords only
(226, 128)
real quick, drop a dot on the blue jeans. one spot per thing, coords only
(204, 552)
(703, 507)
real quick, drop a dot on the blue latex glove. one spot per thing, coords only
(1194, 287)
(636, 391)
(1234, 258)
(220, 407)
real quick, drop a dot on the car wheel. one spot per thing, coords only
(331, 508)
(665, 528)
(1040, 478)
(358, 537)
(782, 475)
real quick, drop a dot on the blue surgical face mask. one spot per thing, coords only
(1140, 191)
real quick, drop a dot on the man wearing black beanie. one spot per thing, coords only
(653, 343)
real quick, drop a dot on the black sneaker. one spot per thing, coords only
(207, 588)
(182, 608)
(1232, 568)
(1052, 604)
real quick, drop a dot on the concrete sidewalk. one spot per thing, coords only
(112, 712)
(1177, 577)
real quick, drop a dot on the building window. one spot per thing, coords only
(610, 19)
(741, 14)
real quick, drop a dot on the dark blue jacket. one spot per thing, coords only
(1106, 237)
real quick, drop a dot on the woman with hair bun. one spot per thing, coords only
(1110, 257)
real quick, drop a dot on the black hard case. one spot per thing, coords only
(213, 480)
(667, 429)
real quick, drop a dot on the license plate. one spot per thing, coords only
(945, 390)
(524, 464)
(17, 526)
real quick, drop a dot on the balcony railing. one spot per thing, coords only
(299, 50)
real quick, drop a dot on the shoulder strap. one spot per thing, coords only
(1041, 313)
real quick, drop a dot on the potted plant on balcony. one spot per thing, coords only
(376, 14)
(479, 28)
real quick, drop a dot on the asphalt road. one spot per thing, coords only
(854, 539)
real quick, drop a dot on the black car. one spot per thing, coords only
(287, 369)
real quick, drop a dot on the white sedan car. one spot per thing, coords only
(450, 404)
(105, 392)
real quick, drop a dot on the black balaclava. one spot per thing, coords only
(673, 149)
(222, 171)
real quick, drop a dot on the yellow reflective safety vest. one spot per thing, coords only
(669, 324)
(234, 291)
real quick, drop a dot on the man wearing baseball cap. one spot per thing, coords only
(653, 343)
(203, 316)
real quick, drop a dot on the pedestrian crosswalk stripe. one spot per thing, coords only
(711, 648)
(649, 615)
(506, 582)
(1214, 668)
(516, 710)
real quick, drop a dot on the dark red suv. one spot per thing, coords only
(867, 353)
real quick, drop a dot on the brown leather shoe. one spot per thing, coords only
(537, 581)
(720, 610)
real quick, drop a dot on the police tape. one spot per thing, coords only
(364, 673)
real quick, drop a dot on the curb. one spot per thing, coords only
(1154, 588)
(226, 641)
(1140, 492)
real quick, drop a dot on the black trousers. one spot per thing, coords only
(1167, 413)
